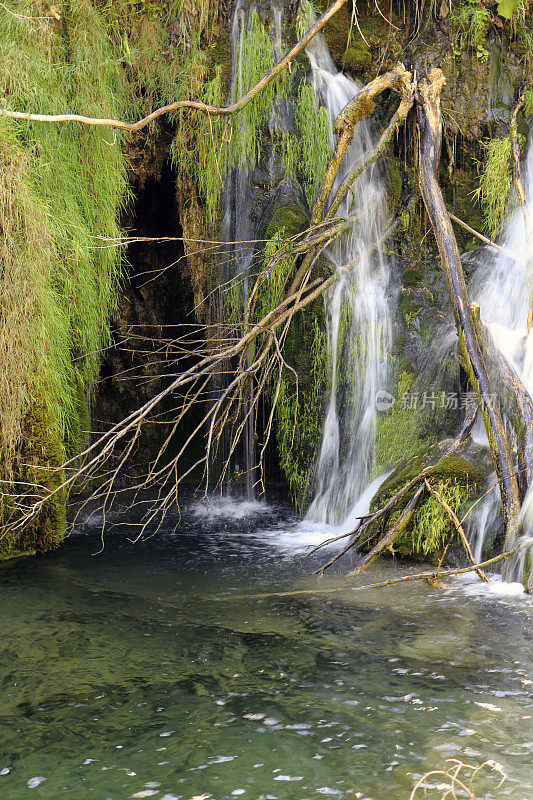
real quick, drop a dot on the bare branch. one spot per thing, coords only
(221, 111)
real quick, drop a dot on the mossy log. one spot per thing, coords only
(360, 107)
(430, 138)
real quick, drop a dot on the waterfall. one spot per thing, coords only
(484, 516)
(238, 232)
(501, 285)
(357, 308)
(358, 319)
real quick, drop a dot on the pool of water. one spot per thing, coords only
(158, 670)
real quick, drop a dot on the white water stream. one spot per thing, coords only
(502, 287)
(358, 318)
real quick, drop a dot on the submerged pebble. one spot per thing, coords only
(34, 782)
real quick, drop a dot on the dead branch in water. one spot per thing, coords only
(456, 777)
(459, 528)
(420, 576)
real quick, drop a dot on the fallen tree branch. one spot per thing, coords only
(356, 110)
(484, 239)
(222, 111)
(360, 107)
(513, 385)
(430, 137)
(388, 540)
(407, 90)
(458, 527)
(517, 178)
(421, 576)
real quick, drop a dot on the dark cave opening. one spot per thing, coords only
(156, 307)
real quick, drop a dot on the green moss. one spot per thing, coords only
(299, 390)
(395, 183)
(455, 478)
(401, 432)
(289, 218)
(451, 467)
(336, 32)
(431, 527)
(41, 458)
(357, 58)
(299, 405)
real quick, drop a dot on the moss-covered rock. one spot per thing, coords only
(458, 478)
(357, 58)
(285, 211)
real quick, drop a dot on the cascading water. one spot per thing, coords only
(501, 286)
(238, 229)
(357, 309)
(484, 516)
(358, 317)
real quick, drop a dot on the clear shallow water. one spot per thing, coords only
(143, 670)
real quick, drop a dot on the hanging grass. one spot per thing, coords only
(62, 185)
(308, 150)
(495, 184)
(61, 188)
(255, 59)
(199, 150)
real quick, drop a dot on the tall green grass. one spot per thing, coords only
(63, 188)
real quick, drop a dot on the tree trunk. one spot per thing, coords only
(430, 137)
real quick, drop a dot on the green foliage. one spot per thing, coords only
(528, 105)
(308, 150)
(299, 407)
(234, 301)
(62, 185)
(198, 150)
(473, 20)
(431, 527)
(299, 390)
(495, 184)
(508, 8)
(305, 18)
(272, 285)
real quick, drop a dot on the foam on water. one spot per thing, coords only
(496, 587)
(231, 508)
(306, 534)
